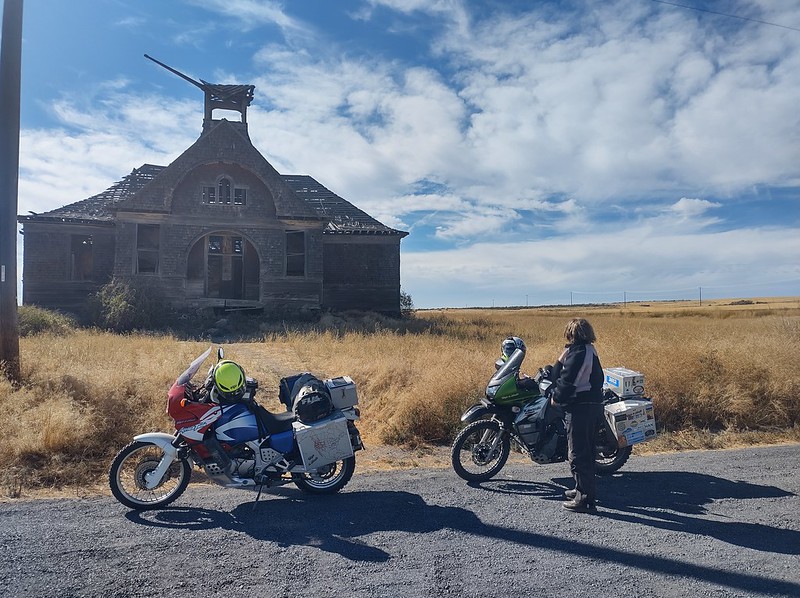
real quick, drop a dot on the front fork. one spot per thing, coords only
(152, 479)
(493, 441)
(166, 443)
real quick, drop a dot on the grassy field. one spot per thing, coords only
(720, 374)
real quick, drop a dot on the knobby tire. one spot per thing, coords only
(474, 443)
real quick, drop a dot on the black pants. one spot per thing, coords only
(582, 423)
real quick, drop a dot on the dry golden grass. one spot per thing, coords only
(729, 371)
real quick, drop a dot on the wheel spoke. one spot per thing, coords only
(131, 472)
(328, 479)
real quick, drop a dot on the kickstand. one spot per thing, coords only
(260, 488)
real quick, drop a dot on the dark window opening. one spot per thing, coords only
(81, 260)
(147, 248)
(195, 269)
(224, 191)
(295, 253)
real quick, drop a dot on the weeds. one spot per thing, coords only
(84, 394)
(34, 320)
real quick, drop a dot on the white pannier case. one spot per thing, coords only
(323, 442)
(623, 382)
(343, 392)
(633, 421)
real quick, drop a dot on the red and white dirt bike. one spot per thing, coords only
(242, 445)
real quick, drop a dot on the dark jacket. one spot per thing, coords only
(577, 376)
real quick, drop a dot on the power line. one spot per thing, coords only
(723, 14)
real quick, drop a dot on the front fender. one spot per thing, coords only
(474, 413)
(161, 440)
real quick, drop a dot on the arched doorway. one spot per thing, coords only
(223, 265)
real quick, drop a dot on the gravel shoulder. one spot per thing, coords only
(698, 523)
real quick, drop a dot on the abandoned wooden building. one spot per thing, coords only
(218, 227)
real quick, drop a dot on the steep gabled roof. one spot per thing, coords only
(96, 208)
(343, 217)
(221, 141)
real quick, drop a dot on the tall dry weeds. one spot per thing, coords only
(85, 395)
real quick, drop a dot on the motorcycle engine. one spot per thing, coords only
(244, 468)
(553, 447)
(547, 450)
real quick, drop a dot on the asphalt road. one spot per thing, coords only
(721, 523)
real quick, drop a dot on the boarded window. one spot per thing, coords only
(147, 248)
(81, 261)
(295, 253)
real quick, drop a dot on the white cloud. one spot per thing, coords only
(250, 14)
(690, 208)
(482, 223)
(596, 264)
(626, 104)
(98, 142)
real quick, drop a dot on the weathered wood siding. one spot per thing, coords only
(362, 273)
(46, 264)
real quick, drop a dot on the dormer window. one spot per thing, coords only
(225, 193)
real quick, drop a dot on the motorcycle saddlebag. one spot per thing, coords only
(530, 422)
(312, 401)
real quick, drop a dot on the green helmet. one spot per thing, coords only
(229, 380)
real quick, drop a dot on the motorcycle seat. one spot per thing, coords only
(274, 423)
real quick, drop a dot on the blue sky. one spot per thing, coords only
(538, 152)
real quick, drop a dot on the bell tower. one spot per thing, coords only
(234, 98)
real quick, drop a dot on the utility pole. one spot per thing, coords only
(10, 67)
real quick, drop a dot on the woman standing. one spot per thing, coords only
(578, 388)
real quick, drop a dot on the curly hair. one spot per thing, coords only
(579, 332)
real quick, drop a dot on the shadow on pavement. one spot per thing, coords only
(674, 501)
(291, 519)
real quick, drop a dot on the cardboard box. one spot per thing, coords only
(323, 442)
(343, 391)
(632, 421)
(624, 382)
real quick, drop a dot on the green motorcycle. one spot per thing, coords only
(518, 410)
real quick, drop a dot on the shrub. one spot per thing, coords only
(125, 306)
(406, 303)
(35, 320)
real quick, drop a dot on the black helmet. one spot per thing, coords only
(511, 344)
